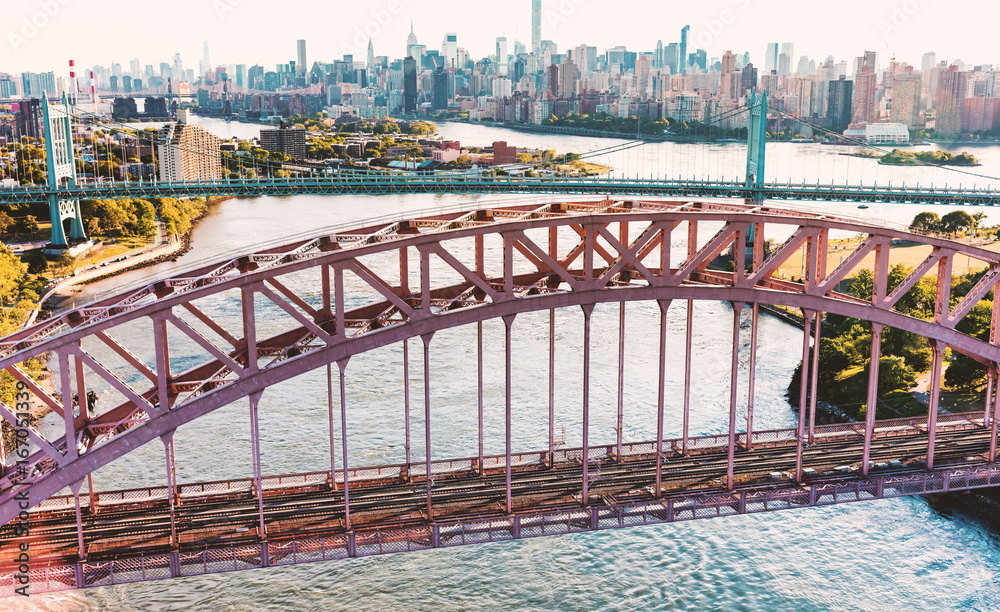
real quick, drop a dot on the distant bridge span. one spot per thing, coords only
(323, 299)
(441, 183)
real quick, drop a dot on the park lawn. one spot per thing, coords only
(107, 252)
(908, 254)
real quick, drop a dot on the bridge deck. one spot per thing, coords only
(391, 509)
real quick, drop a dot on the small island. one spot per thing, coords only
(936, 158)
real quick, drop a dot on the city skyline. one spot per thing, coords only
(242, 31)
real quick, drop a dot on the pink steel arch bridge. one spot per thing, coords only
(344, 293)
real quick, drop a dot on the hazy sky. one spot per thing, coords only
(42, 35)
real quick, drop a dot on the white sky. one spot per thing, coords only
(264, 31)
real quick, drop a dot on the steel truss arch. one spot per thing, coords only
(596, 266)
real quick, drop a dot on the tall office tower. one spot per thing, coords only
(682, 63)
(370, 62)
(868, 60)
(771, 58)
(865, 83)
(536, 34)
(187, 152)
(953, 89)
(301, 65)
(906, 91)
(178, 69)
(133, 69)
(671, 57)
(789, 50)
(839, 99)
(449, 49)
(728, 62)
(748, 77)
(658, 56)
(440, 86)
(410, 84)
(502, 55)
(206, 62)
(241, 75)
(928, 61)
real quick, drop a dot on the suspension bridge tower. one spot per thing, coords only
(756, 147)
(61, 162)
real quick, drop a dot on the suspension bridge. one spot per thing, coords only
(64, 188)
(166, 358)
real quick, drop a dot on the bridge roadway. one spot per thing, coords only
(378, 183)
(230, 518)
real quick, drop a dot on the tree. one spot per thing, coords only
(977, 220)
(26, 225)
(11, 274)
(6, 221)
(926, 222)
(957, 221)
(65, 263)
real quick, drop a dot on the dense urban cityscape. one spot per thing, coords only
(537, 83)
(525, 310)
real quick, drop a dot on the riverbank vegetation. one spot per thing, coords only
(845, 346)
(920, 158)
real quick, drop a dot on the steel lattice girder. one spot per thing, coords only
(594, 267)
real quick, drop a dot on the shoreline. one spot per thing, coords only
(55, 298)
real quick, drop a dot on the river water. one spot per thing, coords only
(887, 555)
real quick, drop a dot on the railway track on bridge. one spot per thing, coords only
(130, 528)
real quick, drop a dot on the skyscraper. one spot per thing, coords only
(410, 85)
(771, 58)
(449, 49)
(441, 93)
(682, 63)
(536, 33)
(502, 55)
(864, 96)
(301, 66)
(206, 62)
(370, 64)
(187, 152)
(953, 87)
(906, 90)
(840, 96)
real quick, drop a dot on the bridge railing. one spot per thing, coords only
(601, 453)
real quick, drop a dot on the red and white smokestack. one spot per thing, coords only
(72, 81)
(93, 91)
